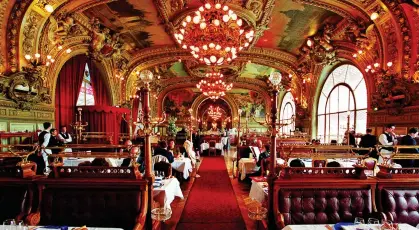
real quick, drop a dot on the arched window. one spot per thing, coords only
(286, 113)
(86, 96)
(343, 93)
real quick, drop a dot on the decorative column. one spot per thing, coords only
(190, 124)
(238, 130)
(147, 77)
(272, 172)
(275, 79)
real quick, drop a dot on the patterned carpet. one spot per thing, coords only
(211, 203)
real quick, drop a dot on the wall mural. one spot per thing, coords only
(251, 102)
(131, 20)
(177, 103)
(299, 22)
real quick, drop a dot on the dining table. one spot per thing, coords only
(165, 191)
(183, 165)
(344, 227)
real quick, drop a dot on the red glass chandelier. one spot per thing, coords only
(214, 34)
(215, 114)
(213, 86)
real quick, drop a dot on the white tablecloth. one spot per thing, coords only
(113, 162)
(246, 165)
(182, 165)
(89, 228)
(257, 191)
(350, 227)
(166, 194)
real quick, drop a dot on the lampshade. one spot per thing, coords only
(146, 76)
(275, 78)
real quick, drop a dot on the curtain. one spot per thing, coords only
(100, 90)
(104, 119)
(67, 90)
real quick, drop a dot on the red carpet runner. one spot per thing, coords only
(211, 203)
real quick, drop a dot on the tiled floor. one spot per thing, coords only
(241, 190)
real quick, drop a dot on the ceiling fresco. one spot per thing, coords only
(292, 23)
(136, 21)
(252, 70)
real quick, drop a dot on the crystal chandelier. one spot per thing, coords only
(214, 34)
(213, 86)
(215, 114)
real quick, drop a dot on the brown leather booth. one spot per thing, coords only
(118, 203)
(322, 199)
(398, 200)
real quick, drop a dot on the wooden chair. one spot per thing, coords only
(371, 164)
(164, 168)
(212, 148)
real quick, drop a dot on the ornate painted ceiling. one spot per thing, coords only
(128, 36)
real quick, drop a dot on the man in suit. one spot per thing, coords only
(162, 150)
(409, 139)
(181, 136)
(41, 157)
(369, 141)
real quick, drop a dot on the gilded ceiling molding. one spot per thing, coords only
(30, 31)
(227, 98)
(13, 34)
(3, 9)
(405, 29)
(188, 83)
(79, 6)
(265, 18)
(330, 6)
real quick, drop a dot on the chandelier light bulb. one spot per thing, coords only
(189, 18)
(234, 17)
(201, 9)
(68, 50)
(49, 8)
(389, 64)
(203, 25)
(48, 57)
(52, 60)
(28, 57)
(226, 18)
(355, 55)
(374, 16)
(360, 51)
(216, 22)
(208, 6)
(376, 64)
(37, 55)
(196, 20)
(217, 6)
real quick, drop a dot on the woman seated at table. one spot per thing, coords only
(191, 154)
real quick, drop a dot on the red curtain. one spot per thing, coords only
(67, 90)
(105, 119)
(100, 91)
(134, 111)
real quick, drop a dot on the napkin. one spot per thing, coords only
(338, 226)
(52, 227)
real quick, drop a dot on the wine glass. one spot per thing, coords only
(9, 224)
(373, 221)
(359, 220)
(20, 225)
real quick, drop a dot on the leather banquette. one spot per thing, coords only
(118, 203)
(399, 200)
(322, 201)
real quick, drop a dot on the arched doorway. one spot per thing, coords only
(214, 116)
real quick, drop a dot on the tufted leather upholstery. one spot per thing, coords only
(321, 206)
(98, 205)
(401, 205)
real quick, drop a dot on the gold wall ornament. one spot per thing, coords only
(361, 34)
(25, 89)
(30, 31)
(13, 29)
(319, 47)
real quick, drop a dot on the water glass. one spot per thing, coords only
(359, 220)
(373, 221)
(9, 224)
(20, 225)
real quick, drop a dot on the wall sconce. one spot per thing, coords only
(376, 68)
(36, 60)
